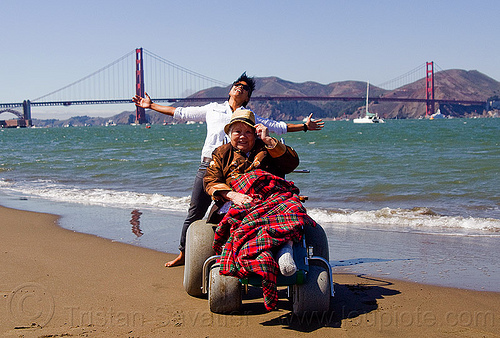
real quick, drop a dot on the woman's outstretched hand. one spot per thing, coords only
(144, 102)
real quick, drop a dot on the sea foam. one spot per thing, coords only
(57, 192)
(410, 220)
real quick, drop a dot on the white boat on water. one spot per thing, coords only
(437, 115)
(369, 117)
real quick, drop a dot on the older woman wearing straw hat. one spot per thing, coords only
(251, 148)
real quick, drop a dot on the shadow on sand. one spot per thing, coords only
(350, 301)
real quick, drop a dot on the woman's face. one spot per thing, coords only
(242, 136)
(240, 91)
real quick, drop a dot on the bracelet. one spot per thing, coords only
(268, 147)
(305, 127)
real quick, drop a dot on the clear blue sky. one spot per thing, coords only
(49, 44)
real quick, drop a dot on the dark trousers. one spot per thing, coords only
(200, 201)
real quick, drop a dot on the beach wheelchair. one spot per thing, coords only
(309, 289)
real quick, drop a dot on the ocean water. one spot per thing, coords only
(417, 200)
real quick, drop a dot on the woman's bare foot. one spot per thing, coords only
(179, 260)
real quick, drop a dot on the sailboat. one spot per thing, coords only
(369, 117)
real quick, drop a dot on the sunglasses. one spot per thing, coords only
(242, 85)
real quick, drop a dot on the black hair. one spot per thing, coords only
(250, 82)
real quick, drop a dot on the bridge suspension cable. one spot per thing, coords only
(445, 76)
(116, 81)
(164, 78)
(409, 77)
(94, 85)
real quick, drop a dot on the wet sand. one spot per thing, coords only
(56, 282)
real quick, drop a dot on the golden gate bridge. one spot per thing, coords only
(119, 81)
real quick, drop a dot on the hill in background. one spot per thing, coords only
(451, 84)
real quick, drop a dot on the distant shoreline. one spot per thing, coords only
(87, 121)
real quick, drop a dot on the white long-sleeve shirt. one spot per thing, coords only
(217, 115)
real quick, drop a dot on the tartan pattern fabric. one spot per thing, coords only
(248, 235)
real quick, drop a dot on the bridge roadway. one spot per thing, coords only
(255, 98)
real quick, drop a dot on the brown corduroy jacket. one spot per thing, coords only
(228, 163)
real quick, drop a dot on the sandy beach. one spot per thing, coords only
(56, 282)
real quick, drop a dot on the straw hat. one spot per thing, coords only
(241, 115)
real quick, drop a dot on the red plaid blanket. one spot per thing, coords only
(248, 235)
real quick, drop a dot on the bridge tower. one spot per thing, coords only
(140, 113)
(429, 93)
(27, 109)
(27, 113)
